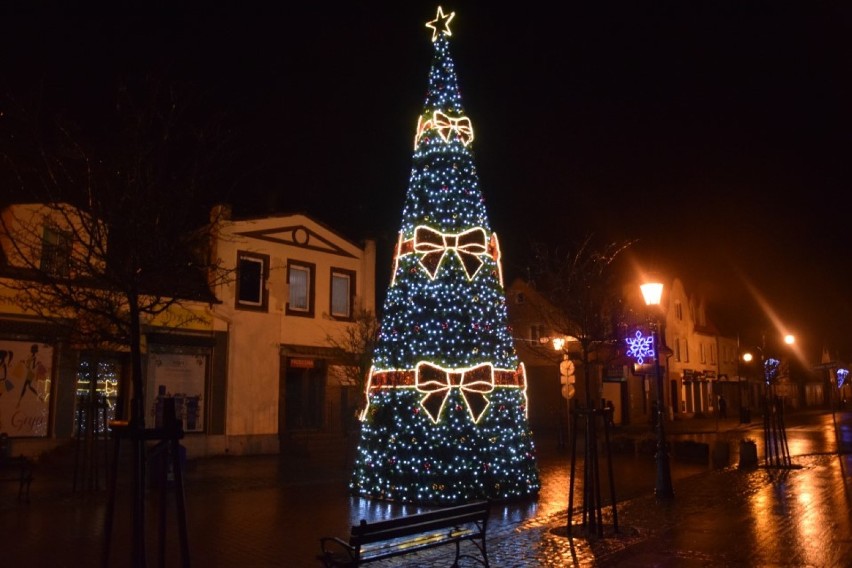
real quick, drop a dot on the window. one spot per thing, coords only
(677, 350)
(701, 352)
(537, 332)
(55, 251)
(712, 354)
(679, 311)
(301, 282)
(342, 285)
(97, 393)
(178, 378)
(251, 281)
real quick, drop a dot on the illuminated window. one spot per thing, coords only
(97, 394)
(300, 278)
(342, 286)
(251, 281)
(55, 251)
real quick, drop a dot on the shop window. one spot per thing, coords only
(342, 286)
(26, 379)
(300, 278)
(252, 270)
(97, 395)
(180, 375)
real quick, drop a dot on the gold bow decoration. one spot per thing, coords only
(437, 382)
(446, 126)
(434, 245)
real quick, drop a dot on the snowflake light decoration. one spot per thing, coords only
(770, 369)
(841, 376)
(641, 347)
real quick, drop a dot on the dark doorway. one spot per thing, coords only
(303, 393)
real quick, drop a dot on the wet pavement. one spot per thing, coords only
(270, 511)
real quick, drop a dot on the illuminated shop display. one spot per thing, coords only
(445, 419)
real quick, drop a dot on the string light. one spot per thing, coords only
(445, 419)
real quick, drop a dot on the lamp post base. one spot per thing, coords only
(663, 489)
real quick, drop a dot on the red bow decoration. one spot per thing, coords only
(437, 383)
(434, 245)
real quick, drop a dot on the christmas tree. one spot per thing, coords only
(445, 420)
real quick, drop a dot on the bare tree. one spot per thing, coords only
(583, 297)
(116, 232)
(584, 303)
(354, 346)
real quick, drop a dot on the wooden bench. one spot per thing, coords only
(369, 542)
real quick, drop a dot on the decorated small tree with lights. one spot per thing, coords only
(446, 414)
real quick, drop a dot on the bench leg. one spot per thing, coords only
(482, 551)
(24, 484)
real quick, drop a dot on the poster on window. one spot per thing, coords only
(181, 377)
(25, 377)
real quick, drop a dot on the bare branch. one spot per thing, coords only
(354, 346)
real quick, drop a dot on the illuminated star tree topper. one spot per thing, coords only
(441, 24)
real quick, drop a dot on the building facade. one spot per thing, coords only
(698, 362)
(298, 285)
(249, 366)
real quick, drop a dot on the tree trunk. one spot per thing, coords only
(137, 435)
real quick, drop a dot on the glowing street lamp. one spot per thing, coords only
(652, 292)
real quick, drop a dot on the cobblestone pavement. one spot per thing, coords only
(263, 511)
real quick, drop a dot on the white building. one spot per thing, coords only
(251, 371)
(297, 284)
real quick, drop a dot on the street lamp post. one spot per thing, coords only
(652, 292)
(566, 378)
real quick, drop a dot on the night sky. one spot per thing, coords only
(715, 133)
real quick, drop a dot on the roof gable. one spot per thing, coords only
(299, 236)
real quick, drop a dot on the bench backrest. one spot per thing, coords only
(365, 533)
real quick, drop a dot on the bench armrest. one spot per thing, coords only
(332, 546)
